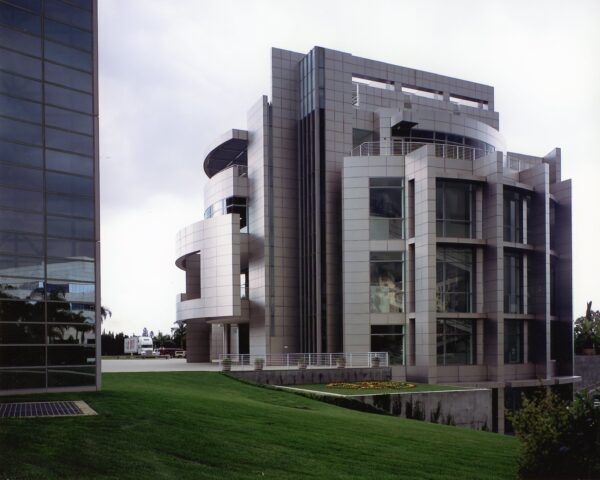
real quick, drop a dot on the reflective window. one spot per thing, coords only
(35, 5)
(72, 377)
(65, 13)
(80, 334)
(455, 279)
(22, 333)
(516, 205)
(70, 227)
(20, 86)
(69, 78)
(69, 120)
(20, 41)
(20, 131)
(69, 141)
(70, 291)
(21, 64)
(230, 205)
(20, 19)
(68, 162)
(21, 289)
(13, 266)
(69, 269)
(22, 154)
(454, 209)
(20, 109)
(68, 35)
(71, 313)
(22, 356)
(21, 222)
(22, 378)
(387, 282)
(513, 282)
(389, 338)
(62, 247)
(18, 311)
(21, 177)
(66, 98)
(386, 203)
(21, 199)
(455, 342)
(513, 341)
(63, 205)
(70, 184)
(67, 56)
(71, 355)
(21, 244)
(244, 284)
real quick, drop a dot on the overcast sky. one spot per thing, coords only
(175, 74)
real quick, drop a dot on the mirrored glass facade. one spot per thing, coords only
(49, 314)
(387, 282)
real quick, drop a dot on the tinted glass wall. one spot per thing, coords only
(48, 194)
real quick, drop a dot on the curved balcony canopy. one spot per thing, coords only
(230, 149)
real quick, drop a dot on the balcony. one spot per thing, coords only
(397, 147)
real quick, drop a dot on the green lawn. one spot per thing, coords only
(192, 425)
(419, 387)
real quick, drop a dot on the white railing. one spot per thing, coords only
(519, 164)
(278, 361)
(401, 147)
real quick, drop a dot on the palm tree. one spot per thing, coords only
(105, 312)
(179, 334)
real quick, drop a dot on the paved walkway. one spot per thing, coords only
(157, 365)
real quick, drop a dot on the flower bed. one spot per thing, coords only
(372, 385)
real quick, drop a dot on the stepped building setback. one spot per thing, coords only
(373, 207)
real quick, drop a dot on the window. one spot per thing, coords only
(230, 205)
(386, 203)
(454, 209)
(455, 342)
(513, 341)
(387, 282)
(455, 279)
(389, 338)
(516, 205)
(244, 284)
(513, 282)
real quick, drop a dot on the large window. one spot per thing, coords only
(513, 341)
(516, 206)
(455, 207)
(513, 282)
(455, 342)
(386, 204)
(387, 282)
(455, 279)
(230, 205)
(389, 338)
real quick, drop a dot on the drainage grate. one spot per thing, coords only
(40, 409)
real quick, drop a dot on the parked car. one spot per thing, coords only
(179, 353)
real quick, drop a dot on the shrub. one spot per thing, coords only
(558, 440)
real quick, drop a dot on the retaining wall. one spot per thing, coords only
(588, 368)
(313, 375)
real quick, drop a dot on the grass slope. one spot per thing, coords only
(192, 425)
(419, 387)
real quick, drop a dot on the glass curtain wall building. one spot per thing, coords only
(49, 222)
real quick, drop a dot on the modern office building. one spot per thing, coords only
(373, 207)
(49, 210)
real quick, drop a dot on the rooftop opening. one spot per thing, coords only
(373, 82)
(469, 102)
(422, 92)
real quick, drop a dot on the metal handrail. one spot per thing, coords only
(397, 147)
(518, 164)
(306, 360)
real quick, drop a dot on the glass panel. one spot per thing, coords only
(454, 271)
(21, 244)
(19, 19)
(20, 131)
(71, 355)
(22, 378)
(71, 313)
(16, 311)
(20, 64)
(20, 109)
(65, 13)
(73, 142)
(21, 154)
(87, 4)
(69, 35)
(393, 344)
(71, 292)
(18, 199)
(59, 247)
(62, 205)
(78, 122)
(72, 377)
(513, 341)
(21, 289)
(454, 209)
(21, 222)
(455, 342)
(80, 334)
(20, 87)
(35, 5)
(387, 202)
(22, 356)
(21, 177)
(22, 333)
(68, 162)
(70, 184)
(20, 41)
(386, 228)
(21, 266)
(67, 56)
(387, 283)
(68, 77)
(63, 97)
(67, 269)
(513, 285)
(70, 227)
